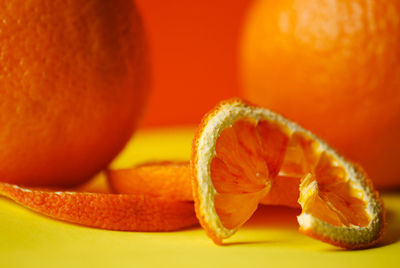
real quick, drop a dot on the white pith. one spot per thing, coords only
(229, 113)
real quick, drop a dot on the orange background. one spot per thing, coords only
(194, 56)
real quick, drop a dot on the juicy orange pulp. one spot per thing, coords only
(253, 157)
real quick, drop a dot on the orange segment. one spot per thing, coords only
(235, 209)
(273, 141)
(245, 155)
(230, 151)
(107, 211)
(300, 155)
(312, 202)
(284, 192)
(248, 157)
(331, 189)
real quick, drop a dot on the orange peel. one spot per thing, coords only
(124, 212)
(169, 180)
(238, 152)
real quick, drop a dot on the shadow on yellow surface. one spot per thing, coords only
(274, 216)
(267, 217)
(393, 221)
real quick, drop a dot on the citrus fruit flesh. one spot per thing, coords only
(333, 67)
(73, 82)
(250, 156)
(240, 151)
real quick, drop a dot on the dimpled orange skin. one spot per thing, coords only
(334, 67)
(72, 82)
(125, 212)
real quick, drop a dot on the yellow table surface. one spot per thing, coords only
(269, 239)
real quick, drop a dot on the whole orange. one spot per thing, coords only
(72, 85)
(333, 66)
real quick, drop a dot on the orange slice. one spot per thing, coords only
(241, 151)
(172, 180)
(107, 211)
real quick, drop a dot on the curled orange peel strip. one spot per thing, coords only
(125, 212)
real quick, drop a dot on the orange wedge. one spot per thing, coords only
(240, 152)
(107, 211)
(172, 180)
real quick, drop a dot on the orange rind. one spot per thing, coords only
(240, 151)
(169, 180)
(124, 212)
